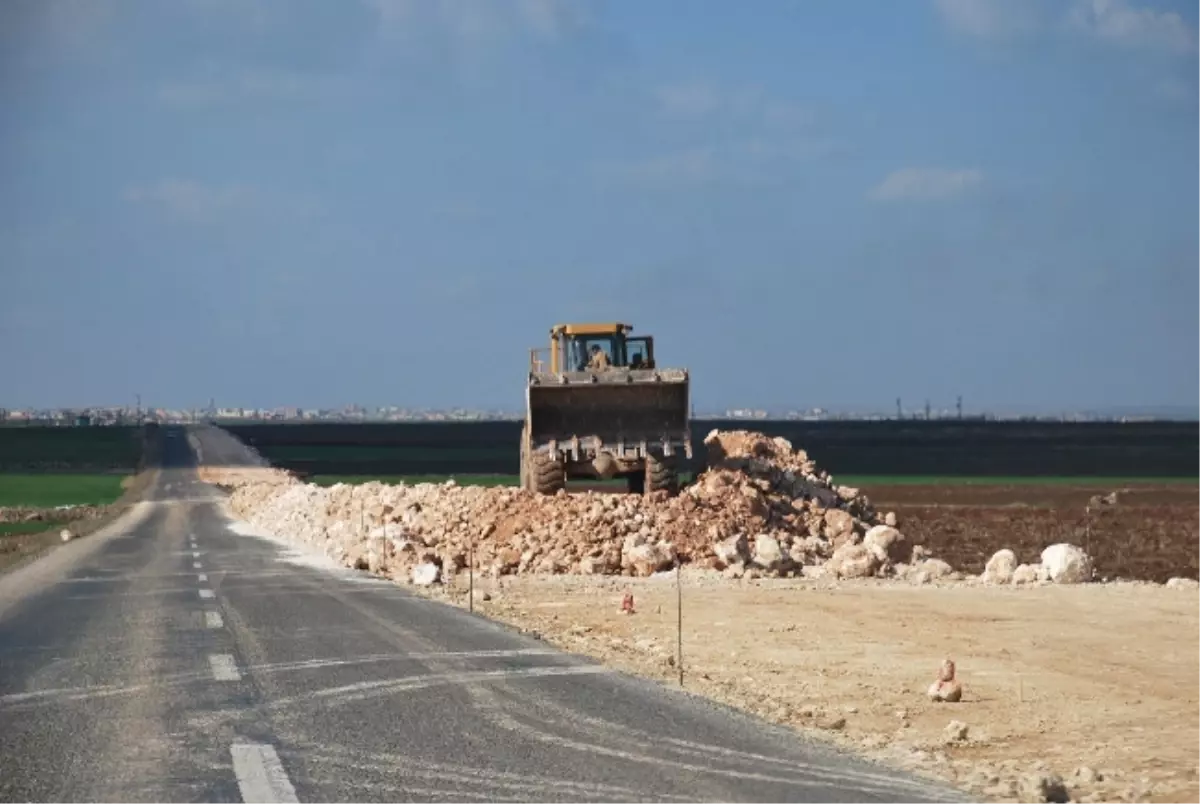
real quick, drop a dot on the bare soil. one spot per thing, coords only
(1056, 679)
(1152, 533)
(1097, 683)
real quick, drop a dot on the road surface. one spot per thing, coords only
(171, 659)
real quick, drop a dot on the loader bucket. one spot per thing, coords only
(612, 412)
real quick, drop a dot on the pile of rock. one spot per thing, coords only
(761, 509)
(1061, 563)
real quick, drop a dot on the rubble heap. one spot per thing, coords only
(761, 509)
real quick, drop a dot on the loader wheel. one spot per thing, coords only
(661, 475)
(545, 476)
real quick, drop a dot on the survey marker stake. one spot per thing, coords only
(679, 619)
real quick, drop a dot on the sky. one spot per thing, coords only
(807, 203)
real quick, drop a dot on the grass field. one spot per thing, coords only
(52, 489)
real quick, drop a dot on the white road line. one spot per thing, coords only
(206, 594)
(195, 554)
(212, 619)
(196, 564)
(202, 578)
(260, 774)
(223, 667)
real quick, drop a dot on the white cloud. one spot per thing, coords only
(1116, 22)
(1120, 23)
(990, 19)
(197, 203)
(925, 184)
(475, 20)
(751, 137)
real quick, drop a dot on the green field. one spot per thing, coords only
(50, 490)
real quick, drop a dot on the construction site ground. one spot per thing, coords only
(1097, 682)
(1057, 679)
(1151, 534)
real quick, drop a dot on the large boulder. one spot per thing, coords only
(852, 561)
(732, 551)
(426, 574)
(1066, 563)
(646, 559)
(887, 544)
(929, 570)
(767, 552)
(1000, 567)
(1027, 574)
(838, 524)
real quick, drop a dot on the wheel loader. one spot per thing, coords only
(598, 406)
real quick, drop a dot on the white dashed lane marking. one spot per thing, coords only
(212, 619)
(223, 667)
(202, 578)
(207, 594)
(196, 565)
(260, 774)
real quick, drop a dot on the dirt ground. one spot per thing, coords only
(1056, 679)
(1152, 533)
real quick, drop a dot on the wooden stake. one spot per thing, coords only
(679, 620)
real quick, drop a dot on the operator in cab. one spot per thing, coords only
(599, 360)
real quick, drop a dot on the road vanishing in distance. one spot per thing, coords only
(168, 658)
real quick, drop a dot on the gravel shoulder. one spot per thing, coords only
(1057, 679)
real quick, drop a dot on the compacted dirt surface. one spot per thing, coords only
(1150, 533)
(1095, 683)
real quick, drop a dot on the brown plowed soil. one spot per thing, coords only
(1152, 533)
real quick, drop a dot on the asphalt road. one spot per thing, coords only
(171, 659)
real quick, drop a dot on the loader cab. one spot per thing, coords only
(571, 347)
(640, 353)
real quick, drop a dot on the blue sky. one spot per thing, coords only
(808, 203)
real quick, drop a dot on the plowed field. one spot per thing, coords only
(1152, 533)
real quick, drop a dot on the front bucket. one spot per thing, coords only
(611, 412)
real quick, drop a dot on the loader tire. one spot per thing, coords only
(636, 482)
(545, 476)
(661, 475)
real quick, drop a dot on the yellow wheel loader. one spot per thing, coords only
(597, 406)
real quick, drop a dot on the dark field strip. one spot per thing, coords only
(968, 449)
(70, 449)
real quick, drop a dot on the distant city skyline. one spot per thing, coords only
(352, 412)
